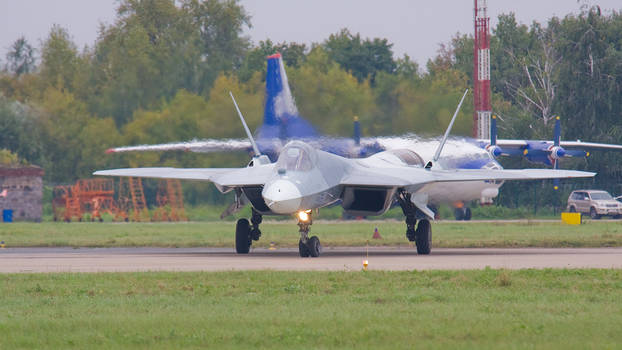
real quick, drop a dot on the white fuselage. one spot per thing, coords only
(306, 178)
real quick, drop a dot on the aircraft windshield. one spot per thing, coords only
(294, 159)
(601, 196)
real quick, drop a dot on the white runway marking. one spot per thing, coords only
(20, 260)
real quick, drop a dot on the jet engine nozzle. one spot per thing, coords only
(282, 196)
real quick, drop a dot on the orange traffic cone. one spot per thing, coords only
(376, 234)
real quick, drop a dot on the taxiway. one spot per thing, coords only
(30, 260)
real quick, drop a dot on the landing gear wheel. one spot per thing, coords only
(303, 250)
(242, 237)
(467, 214)
(593, 214)
(459, 214)
(314, 246)
(424, 237)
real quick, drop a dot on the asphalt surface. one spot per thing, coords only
(30, 260)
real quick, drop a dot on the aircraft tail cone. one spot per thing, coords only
(376, 234)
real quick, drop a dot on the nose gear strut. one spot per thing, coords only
(308, 246)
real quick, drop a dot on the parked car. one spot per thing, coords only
(595, 203)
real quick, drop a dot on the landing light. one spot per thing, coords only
(304, 215)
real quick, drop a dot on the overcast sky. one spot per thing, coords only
(414, 27)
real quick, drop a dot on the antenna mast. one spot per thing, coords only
(481, 71)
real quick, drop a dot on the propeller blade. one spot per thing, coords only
(493, 130)
(577, 153)
(557, 134)
(556, 181)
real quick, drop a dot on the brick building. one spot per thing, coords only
(24, 191)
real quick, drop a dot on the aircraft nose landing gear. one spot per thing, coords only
(307, 247)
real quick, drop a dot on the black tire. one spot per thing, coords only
(303, 250)
(467, 214)
(424, 237)
(572, 209)
(459, 214)
(242, 237)
(593, 214)
(314, 246)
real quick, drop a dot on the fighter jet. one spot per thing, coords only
(304, 179)
(282, 122)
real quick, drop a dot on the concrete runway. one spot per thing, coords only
(28, 260)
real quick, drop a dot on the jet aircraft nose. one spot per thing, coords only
(282, 197)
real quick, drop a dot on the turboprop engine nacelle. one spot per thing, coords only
(557, 152)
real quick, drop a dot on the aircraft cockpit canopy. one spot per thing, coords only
(408, 157)
(296, 156)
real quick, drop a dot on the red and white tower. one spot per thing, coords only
(481, 71)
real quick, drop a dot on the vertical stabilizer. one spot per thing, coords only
(281, 117)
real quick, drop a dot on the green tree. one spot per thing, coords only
(21, 57)
(59, 57)
(220, 42)
(329, 97)
(362, 58)
(20, 130)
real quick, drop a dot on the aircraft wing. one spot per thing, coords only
(200, 146)
(507, 144)
(591, 145)
(224, 178)
(413, 178)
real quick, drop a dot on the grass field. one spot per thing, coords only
(562, 309)
(332, 233)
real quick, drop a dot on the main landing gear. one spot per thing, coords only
(422, 235)
(245, 233)
(307, 247)
(463, 213)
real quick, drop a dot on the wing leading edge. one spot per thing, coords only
(415, 177)
(224, 178)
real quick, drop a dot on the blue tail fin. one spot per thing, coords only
(281, 117)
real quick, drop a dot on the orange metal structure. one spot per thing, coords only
(88, 196)
(170, 202)
(131, 199)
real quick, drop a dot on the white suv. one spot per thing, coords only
(593, 202)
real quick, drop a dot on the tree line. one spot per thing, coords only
(162, 70)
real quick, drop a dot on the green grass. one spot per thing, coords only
(562, 309)
(332, 233)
